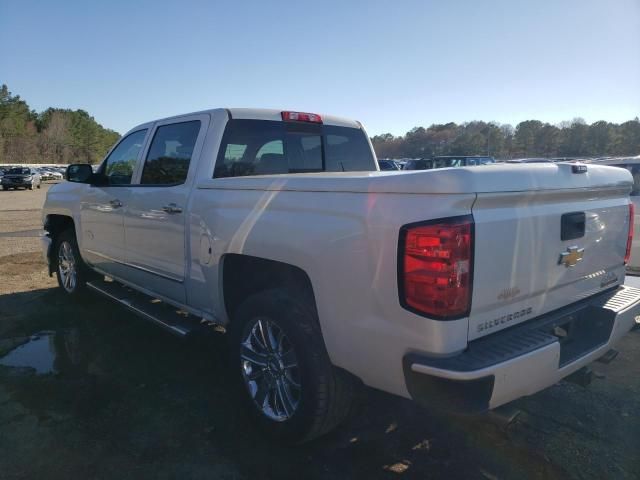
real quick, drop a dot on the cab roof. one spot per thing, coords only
(256, 114)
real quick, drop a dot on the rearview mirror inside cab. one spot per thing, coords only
(79, 173)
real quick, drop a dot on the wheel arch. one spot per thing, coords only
(245, 275)
(54, 224)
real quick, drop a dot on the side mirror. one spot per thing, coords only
(79, 173)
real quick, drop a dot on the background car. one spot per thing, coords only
(418, 164)
(44, 174)
(21, 177)
(529, 160)
(387, 165)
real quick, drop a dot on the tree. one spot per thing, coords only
(525, 137)
(53, 136)
(530, 138)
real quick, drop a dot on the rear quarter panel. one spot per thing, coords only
(347, 244)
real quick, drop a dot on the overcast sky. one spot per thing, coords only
(392, 65)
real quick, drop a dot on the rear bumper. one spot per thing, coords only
(524, 359)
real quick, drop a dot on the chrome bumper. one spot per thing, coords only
(529, 360)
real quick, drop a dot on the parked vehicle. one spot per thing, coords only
(447, 162)
(418, 164)
(48, 173)
(631, 164)
(44, 174)
(56, 175)
(529, 160)
(388, 165)
(461, 161)
(21, 177)
(462, 288)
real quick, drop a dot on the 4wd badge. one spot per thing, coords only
(571, 257)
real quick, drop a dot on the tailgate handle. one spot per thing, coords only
(572, 225)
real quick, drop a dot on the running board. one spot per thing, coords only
(170, 318)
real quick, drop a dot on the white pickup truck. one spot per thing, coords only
(462, 288)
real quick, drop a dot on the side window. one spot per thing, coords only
(119, 165)
(170, 153)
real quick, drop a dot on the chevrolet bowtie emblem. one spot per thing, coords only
(571, 257)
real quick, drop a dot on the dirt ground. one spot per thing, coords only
(88, 390)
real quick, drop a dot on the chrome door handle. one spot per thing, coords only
(172, 208)
(115, 203)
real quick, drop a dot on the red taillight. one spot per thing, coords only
(632, 211)
(435, 267)
(301, 117)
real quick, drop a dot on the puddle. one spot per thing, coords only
(37, 353)
(44, 352)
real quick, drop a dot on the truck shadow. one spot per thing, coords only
(100, 390)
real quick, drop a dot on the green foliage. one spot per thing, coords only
(65, 136)
(53, 136)
(530, 138)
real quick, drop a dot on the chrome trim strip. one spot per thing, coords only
(137, 267)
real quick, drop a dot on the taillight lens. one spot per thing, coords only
(301, 117)
(632, 212)
(435, 274)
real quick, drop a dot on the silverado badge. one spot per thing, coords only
(571, 257)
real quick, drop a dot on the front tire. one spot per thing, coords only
(288, 384)
(72, 273)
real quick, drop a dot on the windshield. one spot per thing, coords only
(261, 147)
(19, 171)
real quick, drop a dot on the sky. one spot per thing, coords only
(393, 65)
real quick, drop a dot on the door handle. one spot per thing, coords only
(115, 203)
(172, 208)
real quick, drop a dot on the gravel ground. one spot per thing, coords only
(88, 390)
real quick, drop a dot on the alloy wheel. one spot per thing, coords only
(270, 370)
(67, 267)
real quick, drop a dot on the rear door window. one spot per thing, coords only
(170, 154)
(260, 147)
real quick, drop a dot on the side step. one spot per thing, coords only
(175, 321)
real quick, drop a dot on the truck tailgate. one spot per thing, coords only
(524, 268)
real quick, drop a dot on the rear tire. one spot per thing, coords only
(71, 271)
(286, 380)
(5, 188)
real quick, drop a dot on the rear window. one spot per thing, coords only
(19, 171)
(262, 147)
